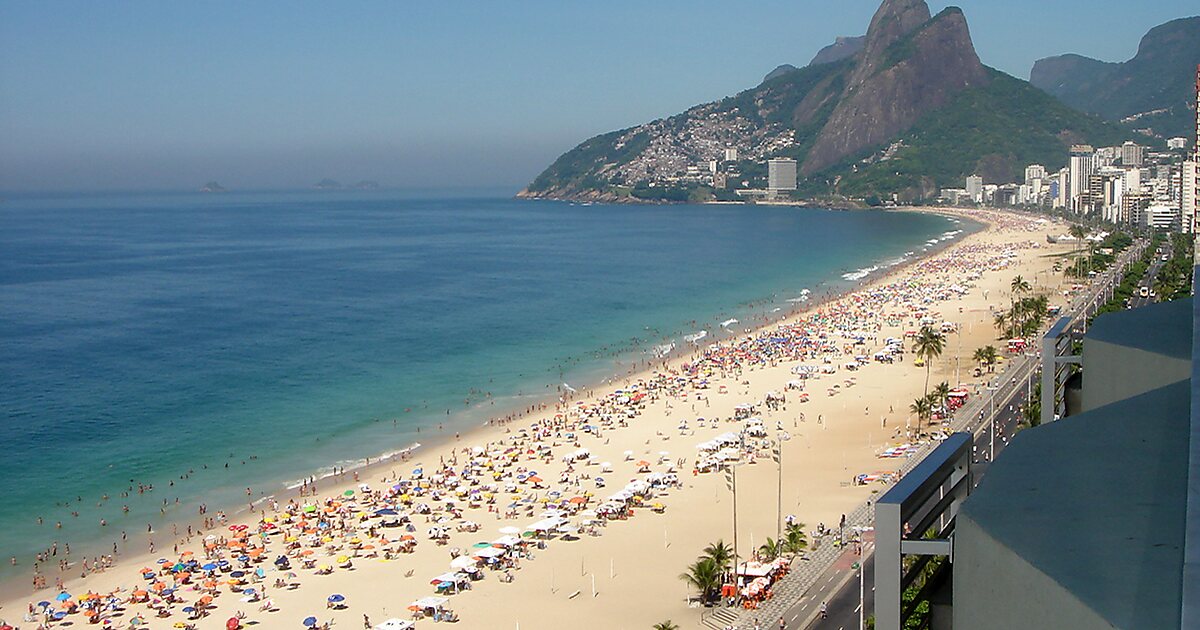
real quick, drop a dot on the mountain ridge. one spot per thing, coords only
(839, 120)
(1158, 77)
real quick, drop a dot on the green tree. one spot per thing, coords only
(941, 393)
(666, 625)
(770, 549)
(920, 407)
(990, 355)
(1080, 232)
(1019, 285)
(794, 540)
(928, 345)
(705, 576)
(720, 553)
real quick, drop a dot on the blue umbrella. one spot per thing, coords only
(59, 615)
(386, 512)
(248, 591)
(44, 604)
(209, 567)
(189, 609)
(310, 621)
(62, 597)
(335, 598)
(237, 574)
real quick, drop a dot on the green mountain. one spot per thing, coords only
(1153, 90)
(911, 111)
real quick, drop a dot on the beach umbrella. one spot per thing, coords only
(62, 597)
(189, 609)
(336, 598)
(44, 604)
(233, 624)
(309, 622)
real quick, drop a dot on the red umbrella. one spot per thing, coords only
(233, 624)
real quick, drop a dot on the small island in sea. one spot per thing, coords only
(213, 187)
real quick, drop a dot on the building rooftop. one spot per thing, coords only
(1095, 503)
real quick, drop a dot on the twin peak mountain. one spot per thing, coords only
(868, 114)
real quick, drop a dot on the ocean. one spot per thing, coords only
(204, 345)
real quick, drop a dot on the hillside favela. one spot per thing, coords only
(415, 316)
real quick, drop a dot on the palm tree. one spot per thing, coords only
(1020, 285)
(666, 625)
(794, 540)
(941, 393)
(1079, 231)
(705, 576)
(990, 355)
(770, 549)
(720, 553)
(1001, 322)
(920, 407)
(980, 356)
(928, 346)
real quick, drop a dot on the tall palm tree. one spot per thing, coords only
(720, 553)
(666, 625)
(1019, 285)
(770, 549)
(1080, 232)
(990, 355)
(920, 407)
(980, 356)
(1001, 320)
(928, 346)
(941, 393)
(705, 576)
(794, 540)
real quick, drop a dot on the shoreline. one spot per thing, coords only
(488, 432)
(461, 426)
(631, 363)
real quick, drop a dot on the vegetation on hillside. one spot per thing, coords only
(994, 130)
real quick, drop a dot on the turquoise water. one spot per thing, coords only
(252, 340)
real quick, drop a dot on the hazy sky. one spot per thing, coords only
(161, 95)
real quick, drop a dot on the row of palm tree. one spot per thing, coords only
(924, 406)
(709, 571)
(987, 356)
(1025, 317)
(793, 542)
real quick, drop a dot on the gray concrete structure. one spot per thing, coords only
(1080, 523)
(1083, 522)
(1140, 350)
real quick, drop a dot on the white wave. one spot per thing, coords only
(695, 337)
(664, 350)
(861, 273)
(729, 322)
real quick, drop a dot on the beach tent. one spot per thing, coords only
(395, 624)
(431, 602)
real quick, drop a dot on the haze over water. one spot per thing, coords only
(145, 337)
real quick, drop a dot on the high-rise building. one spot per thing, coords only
(781, 174)
(731, 154)
(1177, 143)
(1034, 171)
(1189, 202)
(975, 188)
(1080, 167)
(1060, 189)
(1131, 154)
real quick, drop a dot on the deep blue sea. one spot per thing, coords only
(143, 338)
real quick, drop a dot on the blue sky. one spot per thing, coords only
(169, 95)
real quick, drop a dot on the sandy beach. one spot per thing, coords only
(605, 561)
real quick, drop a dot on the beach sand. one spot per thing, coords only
(627, 577)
